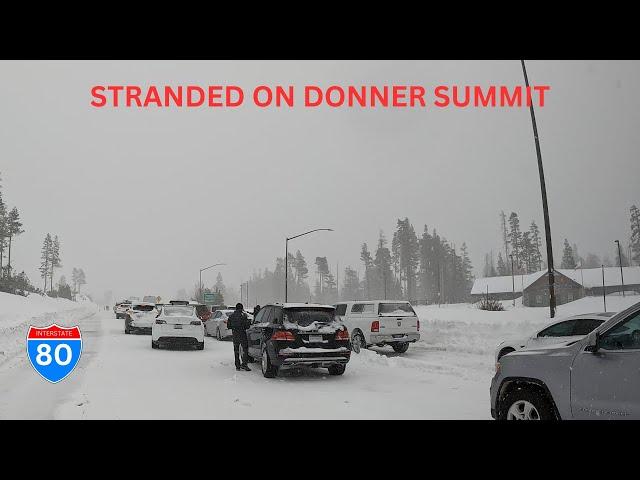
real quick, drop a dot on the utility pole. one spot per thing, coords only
(604, 293)
(513, 281)
(620, 263)
(545, 206)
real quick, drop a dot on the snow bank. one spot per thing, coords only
(465, 328)
(17, 313)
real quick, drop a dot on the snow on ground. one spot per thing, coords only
(18, 312)
(446, 375)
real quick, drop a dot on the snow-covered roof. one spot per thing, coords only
(592, 278)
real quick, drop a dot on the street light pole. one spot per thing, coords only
(286, 257)
(200, 284)
(513, 281)
(545, 207)
(620, 263)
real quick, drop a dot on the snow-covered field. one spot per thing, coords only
(445, 375)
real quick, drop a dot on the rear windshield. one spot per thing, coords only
(396, 308)
(175, 311)
(143, 308)
(306, 316)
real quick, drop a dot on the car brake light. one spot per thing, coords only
(342, 335)
(159, 322)
(196, 322)
(418, 325)
(375, 326)
(282, 335)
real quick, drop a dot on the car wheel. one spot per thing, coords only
(400, 347)
(200, 346)
(268, 370)
(154, 344)
(218, 335)
(337, 369)
(504, 351)
(358, 342)
(527, 404)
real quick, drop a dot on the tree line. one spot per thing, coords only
(422, 269)
(522, 250)
(10, 228)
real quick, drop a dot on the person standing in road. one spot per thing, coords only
(238, 322)
(256, 309)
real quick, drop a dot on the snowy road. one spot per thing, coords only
(127, 379)
(446, 375)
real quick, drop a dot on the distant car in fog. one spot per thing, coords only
(380, 323)
(177, 325)
(150, 299)
(121, 308)
(216, 326)
(139, 318)
(561, 331)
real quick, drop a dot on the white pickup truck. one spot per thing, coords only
(380, 322)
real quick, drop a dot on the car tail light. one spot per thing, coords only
(282, 335)
(418, 325)
(375, 326)
(159, 322)
(342, 335)
(196, 322)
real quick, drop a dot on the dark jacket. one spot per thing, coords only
(238, 321)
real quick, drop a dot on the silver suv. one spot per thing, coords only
(597, 377)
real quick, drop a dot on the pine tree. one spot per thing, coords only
(536, 244)
(568, 261)
(382, 268)
(300, 266)
(467, 271)
(505, 234)
(350, 285)
(45, 259)
(526, 253)
(14, 228)
(82, 279)
(219, 286)
(635, 234)
(405, 250)
(502, 268)
(4, 227)
(592, 261)
(366, 258)
(515, 239)
(54, 260)
(74, 279)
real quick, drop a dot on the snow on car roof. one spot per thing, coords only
(301, 305)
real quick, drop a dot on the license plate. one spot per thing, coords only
(177, 327)
(315, 338)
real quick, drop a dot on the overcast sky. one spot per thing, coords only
(143, 198)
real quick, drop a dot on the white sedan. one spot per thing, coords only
(139, 318)
(177, 325)
(562, 331)
(216, 326)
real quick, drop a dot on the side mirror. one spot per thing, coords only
(593, 343)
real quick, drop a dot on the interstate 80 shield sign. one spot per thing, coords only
(54, 351)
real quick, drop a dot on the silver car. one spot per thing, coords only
(596, 377)
(561, 331)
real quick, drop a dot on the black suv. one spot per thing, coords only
(292, 335)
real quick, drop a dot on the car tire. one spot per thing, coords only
(504, 351)
(154, 344)
(400, 347)
(337, 369)
(526, 404)
(357, 341)
(268, 369)
(200, 346)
